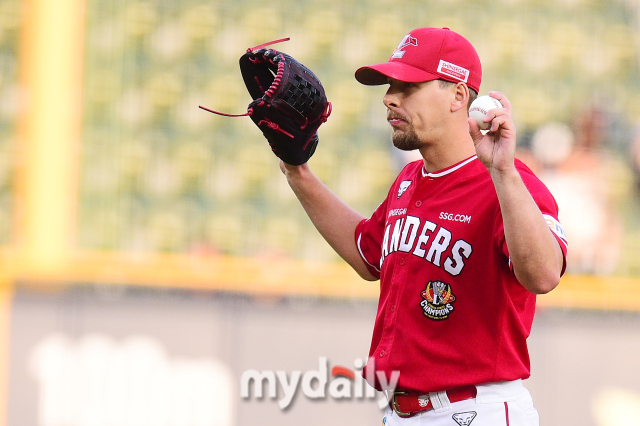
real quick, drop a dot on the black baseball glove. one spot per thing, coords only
(289, 103)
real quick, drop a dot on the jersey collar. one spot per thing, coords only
(451, 169)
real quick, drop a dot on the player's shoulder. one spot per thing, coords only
(535, 186)
(413, 167)
(407, 175)
(525, 172)
(522, 167)
(410, 171)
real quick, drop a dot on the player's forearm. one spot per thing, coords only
(335, 221)
(535, 254)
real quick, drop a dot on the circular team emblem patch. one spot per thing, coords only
(438, 299)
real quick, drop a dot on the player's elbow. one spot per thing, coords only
(361, 269)
(546, 286)
(366, 275)
(541, 283)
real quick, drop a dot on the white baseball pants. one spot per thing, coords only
(497, 404)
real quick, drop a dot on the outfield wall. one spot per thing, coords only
(133, 356)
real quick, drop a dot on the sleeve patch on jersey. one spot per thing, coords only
(362, 254)
(556, 228)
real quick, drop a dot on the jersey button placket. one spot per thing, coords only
(389, 330)
(399, 277)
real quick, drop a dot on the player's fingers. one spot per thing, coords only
(503, 124)
(500, 121)
(502, 98)
(496, 112)
(474, 130)
(496, 123)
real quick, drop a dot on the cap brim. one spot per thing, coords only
(374, 75)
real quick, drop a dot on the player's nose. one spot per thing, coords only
(391, 98)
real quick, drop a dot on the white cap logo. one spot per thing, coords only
(408, 40)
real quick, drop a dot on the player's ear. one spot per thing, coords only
(461, 97)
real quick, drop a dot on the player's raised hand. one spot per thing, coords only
(496, 148)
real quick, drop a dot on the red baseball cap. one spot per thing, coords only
(427, 54)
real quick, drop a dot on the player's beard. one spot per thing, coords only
(407, 140)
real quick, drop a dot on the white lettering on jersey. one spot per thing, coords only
(405, 238)
(460, 248)
(411, 226)
(455, 217)
(397, 212)
(385, 244)
(438, 246)
(395, 236)
(424, 238)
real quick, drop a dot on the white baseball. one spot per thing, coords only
(480, 107)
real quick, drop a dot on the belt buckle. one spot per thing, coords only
(394, 405)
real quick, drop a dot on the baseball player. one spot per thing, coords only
(463, 242)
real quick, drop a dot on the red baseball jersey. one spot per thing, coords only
(451, 311)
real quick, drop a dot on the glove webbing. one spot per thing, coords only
(272, 88)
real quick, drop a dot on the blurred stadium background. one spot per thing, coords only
(151, 252)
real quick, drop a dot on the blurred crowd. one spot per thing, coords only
(592, 166)
(159, 175)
